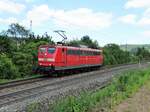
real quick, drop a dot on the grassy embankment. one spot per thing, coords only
(121, 88)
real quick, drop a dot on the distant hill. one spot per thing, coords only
(134, 46)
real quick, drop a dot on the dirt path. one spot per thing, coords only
(140, 102)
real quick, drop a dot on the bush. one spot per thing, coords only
(23, 61)
(7, 69)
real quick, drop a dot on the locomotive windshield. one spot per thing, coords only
(42, 50)
(51, 50)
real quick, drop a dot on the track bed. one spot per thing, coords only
(17, 97)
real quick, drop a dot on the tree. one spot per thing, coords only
(142, 53)
(16, 30)
(3, 33)
(85, 40)
(114, 55)
(75, 43)
(7, 45)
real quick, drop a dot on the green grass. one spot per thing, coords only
(2, 81)
(122, 87)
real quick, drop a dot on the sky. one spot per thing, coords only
(107, 21)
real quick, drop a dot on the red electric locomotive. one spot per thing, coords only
(57, 57)
(53, 58)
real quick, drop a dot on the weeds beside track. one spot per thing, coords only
(121, 88)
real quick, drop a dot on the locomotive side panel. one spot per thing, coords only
(61, 57)
(73, 57)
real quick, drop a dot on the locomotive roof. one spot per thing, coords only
(71, 47)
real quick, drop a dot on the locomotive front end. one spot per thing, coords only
(46, 58)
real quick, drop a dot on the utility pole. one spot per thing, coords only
(31, 25)
(126, 46)
(126, 52)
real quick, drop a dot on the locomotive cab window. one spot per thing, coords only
(42, 50)
(73, 52)
(51, 50)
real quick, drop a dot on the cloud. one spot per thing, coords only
(84, 18)
(137, 4)
(39, 15)
(8, 20)
(145, 20)
(133, 19)
(77, 18)
(146, 33)
(28, 1)
(129, 19)
(11, 7)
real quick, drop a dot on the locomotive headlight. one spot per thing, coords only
(50, 59)
(41, 59)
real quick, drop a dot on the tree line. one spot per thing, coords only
(19, 47)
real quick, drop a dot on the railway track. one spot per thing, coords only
(40, 78)
(21, 82)
(52, 85)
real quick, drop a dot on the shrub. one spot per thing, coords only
(7, 69)
(23, 61)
